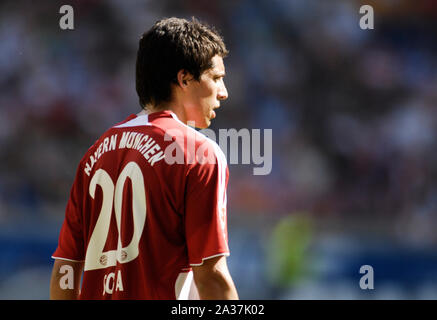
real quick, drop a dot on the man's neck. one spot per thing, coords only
(142, 112)
(179, 112)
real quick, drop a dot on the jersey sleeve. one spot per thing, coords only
(205, 209)
(71, 239)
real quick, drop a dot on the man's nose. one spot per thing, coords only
(222, 93)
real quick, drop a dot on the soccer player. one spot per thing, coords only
(146, 217)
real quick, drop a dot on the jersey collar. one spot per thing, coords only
(162, 114)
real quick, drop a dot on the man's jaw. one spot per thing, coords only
(212, 113)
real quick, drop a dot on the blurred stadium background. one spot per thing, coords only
(354, 119)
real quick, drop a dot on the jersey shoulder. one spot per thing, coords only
(167, 130)
(196, 144)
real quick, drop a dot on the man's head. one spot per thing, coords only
(181, 61)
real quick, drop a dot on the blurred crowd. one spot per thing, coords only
(353, 111)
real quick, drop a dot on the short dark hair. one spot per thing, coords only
(170, 45)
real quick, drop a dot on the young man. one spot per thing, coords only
(147, 210)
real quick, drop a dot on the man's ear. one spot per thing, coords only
(183, 77)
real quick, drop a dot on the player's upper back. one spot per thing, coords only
(151, 139)
(163, 182)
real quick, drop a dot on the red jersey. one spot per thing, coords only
(148, 202)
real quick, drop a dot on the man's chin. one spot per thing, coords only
(204, 125)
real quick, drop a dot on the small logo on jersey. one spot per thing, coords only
(103, 260)
(123, 255)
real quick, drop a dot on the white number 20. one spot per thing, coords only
(113, 196)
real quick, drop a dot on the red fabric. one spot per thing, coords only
(185, 217)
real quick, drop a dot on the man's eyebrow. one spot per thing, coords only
(220, 74)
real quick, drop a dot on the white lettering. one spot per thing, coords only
(151, 151)
(155, 158)
(366, 281)
(108, 144)
(256, 152)
(366, 21)
(113, 142)
(67, 20)
(123, 140)
(67, 280)
(137, 141)
(130, 140)
(119, 286)
(188, 310)
(105, 144)
(110, 281)
(147, 145)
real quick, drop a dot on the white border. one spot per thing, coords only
(142, 120)
(226, 254)
(59, 258)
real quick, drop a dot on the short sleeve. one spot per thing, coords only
(71, 243)
(205, 209)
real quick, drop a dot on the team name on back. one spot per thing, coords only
(141, 142)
